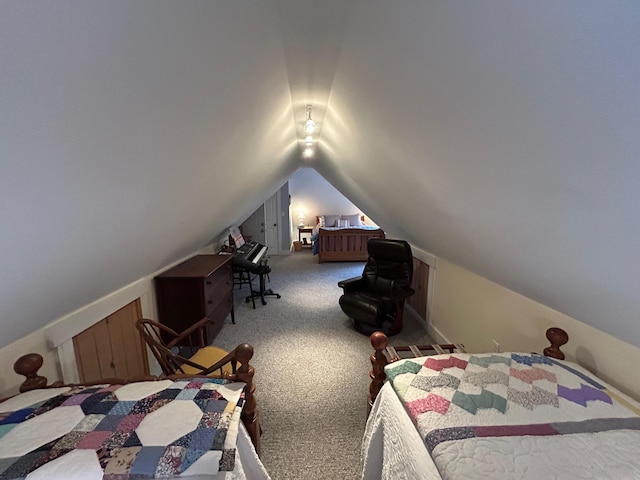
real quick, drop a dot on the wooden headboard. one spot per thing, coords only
(318, 219)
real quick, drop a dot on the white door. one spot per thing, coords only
(271, 224)
(253, 227)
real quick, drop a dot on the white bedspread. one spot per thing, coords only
(613, 455)
(391, 447)
(594, 429)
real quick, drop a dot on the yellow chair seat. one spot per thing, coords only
(206, 357)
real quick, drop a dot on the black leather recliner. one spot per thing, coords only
(375, 300)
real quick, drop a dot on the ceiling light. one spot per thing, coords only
(309, 125)
(308, 141)
(308, 152)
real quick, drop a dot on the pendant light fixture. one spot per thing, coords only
(309, 125)
(309, 128)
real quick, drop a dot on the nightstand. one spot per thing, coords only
(305, 229)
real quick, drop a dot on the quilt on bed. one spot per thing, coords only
(469, 408)
(156, 429)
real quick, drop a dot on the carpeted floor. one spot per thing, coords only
(312, 368)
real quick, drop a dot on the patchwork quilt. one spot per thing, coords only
(510, 415)
(156, 429)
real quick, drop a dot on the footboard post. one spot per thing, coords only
(28, 366)
(557, 337)
(378, 361)
(250, 416)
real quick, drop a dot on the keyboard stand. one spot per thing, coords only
(262, 271)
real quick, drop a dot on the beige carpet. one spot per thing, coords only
(312, 369)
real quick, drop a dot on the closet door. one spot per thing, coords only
(112, 347)
(264, 226)
(253, 227)
(271, 224)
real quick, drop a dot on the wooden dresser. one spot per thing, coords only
(200, 287)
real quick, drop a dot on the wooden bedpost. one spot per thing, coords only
(557, 337)
(250, 417)
(379, 343)
(28, 366)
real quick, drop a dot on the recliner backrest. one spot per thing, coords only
(389, 266)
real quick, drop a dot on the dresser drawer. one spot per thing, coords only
(220, 282)
(215, 297)
(217, 317)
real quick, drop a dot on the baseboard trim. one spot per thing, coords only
(429, 328)
(437, 334)
(410, 312)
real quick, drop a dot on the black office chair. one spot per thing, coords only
(375, 300)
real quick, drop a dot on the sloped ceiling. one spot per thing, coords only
(502, 136)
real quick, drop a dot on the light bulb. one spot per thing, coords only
(309, 127)
(308, 152)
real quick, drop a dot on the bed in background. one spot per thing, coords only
(180, 426)
(342, 238)
(499, 415)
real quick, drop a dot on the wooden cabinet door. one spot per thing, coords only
(112, 347)
(420, 284)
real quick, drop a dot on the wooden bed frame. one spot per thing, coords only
(345, 244)
(29, 364)
(384, 354)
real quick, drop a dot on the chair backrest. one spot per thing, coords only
(151, 333)
(389, 267)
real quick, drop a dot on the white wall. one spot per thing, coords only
(474, 311)
(503, 136)
(129, 137)
(313, 194)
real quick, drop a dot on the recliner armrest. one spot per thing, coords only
(400, 295)
(351, 284)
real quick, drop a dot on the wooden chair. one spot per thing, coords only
(185, 352)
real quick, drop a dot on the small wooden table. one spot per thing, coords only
(305, 229)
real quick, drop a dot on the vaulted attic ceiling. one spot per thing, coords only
(502, 136)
